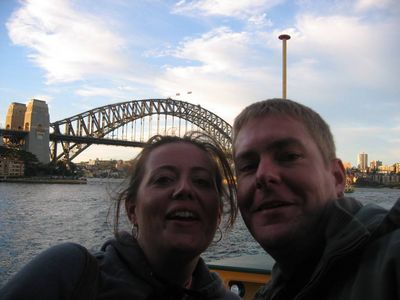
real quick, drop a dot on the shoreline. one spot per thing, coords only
(377, 186)
(45, 180)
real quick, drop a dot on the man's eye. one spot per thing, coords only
(246, 167)
(289, 156)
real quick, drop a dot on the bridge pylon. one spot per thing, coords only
(27, 128)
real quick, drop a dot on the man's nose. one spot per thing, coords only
(268, 173)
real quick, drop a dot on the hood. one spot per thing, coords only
(206, 285)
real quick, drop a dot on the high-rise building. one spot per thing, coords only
(362, 161)
(375, 164)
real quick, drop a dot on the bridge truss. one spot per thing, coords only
(131, 123)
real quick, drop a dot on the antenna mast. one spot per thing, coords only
(284, 38)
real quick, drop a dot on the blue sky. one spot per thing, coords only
(80, 54)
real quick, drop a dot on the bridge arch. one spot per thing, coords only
(77, 133)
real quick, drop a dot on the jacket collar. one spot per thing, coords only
(205, 284)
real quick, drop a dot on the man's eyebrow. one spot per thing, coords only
(276, 144)
(286, 142)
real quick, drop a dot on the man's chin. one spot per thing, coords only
(273, 237)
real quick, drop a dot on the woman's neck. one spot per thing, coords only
(176, 268)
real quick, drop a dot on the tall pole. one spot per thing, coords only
(284, 38)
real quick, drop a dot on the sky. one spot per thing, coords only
(342, 60)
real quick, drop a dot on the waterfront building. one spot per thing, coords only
(11, 167)
(347, 165)
(375, 164)
(387, 169)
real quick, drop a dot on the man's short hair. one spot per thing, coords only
(316, 126)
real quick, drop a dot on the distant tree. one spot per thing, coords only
(32, 165)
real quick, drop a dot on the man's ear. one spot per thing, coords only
(130, 208)
(340, 176)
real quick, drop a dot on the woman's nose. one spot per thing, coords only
(182, 190)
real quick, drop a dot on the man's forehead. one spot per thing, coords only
(274, 131)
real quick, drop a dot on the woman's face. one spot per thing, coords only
(177, 205)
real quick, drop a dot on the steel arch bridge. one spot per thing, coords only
(131, 123)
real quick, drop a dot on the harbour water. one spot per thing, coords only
(34, 217)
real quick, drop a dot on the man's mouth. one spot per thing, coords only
(272, 205)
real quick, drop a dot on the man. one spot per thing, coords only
(290, 194)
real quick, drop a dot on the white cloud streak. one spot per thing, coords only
(239, 9)
(69, 45)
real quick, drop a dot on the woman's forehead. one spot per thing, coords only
(182, 154)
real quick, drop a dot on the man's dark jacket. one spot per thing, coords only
(361, 259)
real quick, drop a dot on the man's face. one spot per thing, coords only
(283, 182)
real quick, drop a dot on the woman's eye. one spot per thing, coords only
(163, 180)
(202, 182)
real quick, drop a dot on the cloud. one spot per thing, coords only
(93, 91)
(68, 44)
(224, 73)
(218, 50)
(238, 9)
(372, 140)
(363, 5)
(353, 51)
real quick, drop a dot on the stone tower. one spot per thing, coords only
(36, 121)
(15, 116)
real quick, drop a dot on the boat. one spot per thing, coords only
(245, 274)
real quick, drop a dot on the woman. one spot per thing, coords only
(174, 201)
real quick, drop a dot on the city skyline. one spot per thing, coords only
(342, 60)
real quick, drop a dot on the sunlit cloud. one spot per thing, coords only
(68, 44)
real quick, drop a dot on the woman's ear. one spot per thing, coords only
(339, 175)
(130, 208)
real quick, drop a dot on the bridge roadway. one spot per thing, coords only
(8, 133)
(92, 140)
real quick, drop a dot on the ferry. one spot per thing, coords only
(245, 274)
